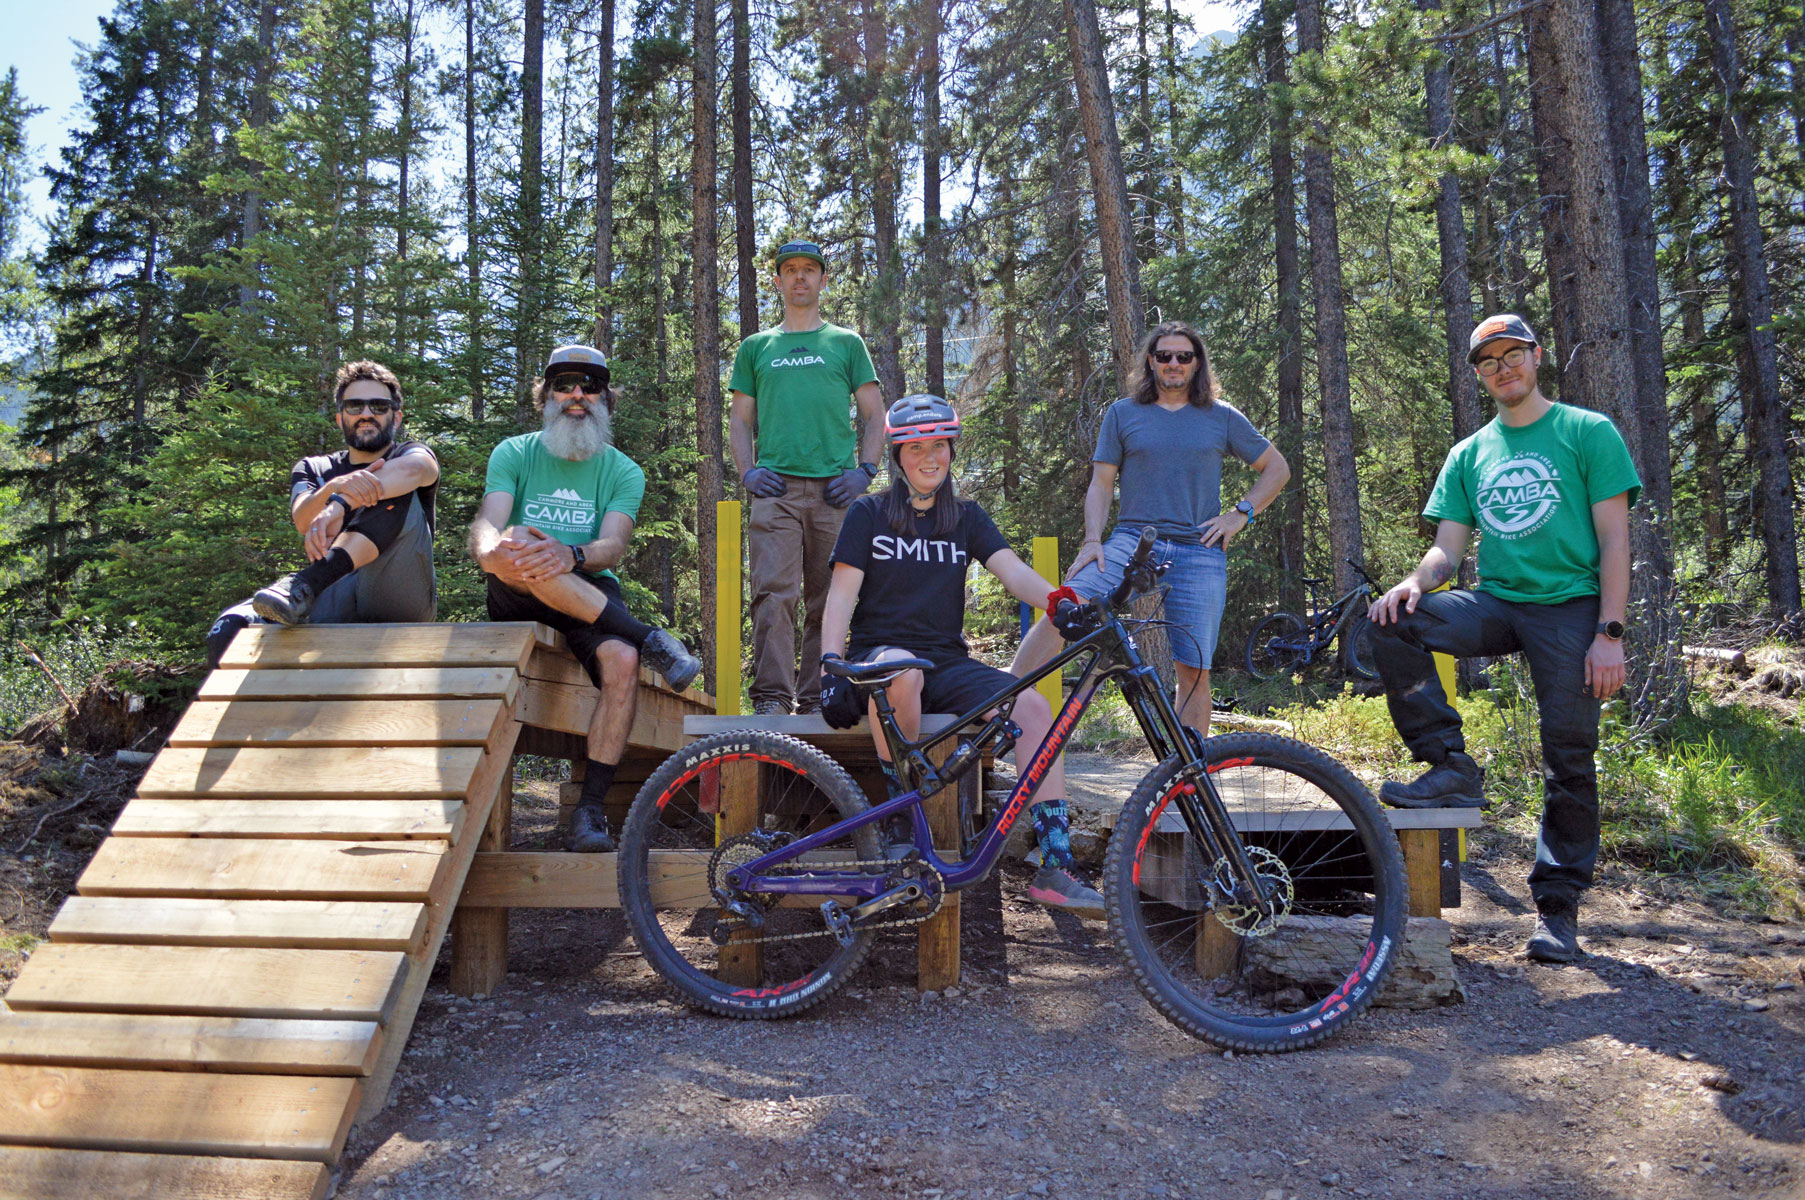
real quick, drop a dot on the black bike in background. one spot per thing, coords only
(1286, 643)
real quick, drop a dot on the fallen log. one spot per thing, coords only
(1728, 660)
(1311, 954)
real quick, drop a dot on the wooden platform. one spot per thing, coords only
(233, 982)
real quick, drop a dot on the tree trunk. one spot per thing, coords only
(1622, 76)
(404, 134)
(707, 324)
(252, 225)
(1290, 431)
(1752, 308)
(1109, 182)
(604, 179)
(1144, 242)
(882, 153)
(1450, 225)
(745, 216)
(1341, 476)
(532, 209)
(1175, 203)
(933, 240)
(473, 259)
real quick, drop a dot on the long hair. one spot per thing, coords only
(947, 511)
(1143, 384)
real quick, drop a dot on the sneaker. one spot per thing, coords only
(808, 708)
(1057, 887)
(667, 656)
(588, 832)
(1456, 782)
(770, 708)
(286, 601)
(1556, 939)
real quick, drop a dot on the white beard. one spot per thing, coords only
(576, 440)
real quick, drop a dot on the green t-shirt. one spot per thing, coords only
(1530, 491)
(563, 499)
(803, 383)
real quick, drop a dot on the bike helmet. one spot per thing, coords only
(920, 417)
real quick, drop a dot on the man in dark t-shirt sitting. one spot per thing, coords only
(365, 515)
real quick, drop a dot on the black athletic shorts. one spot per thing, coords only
(506, 604)
(957, 682)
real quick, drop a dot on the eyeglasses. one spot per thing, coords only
(357, 408)
(1178, 356)
(1514, 357)
(589, 385)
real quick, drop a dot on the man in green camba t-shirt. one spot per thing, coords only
(1549, 487)
(797, 456)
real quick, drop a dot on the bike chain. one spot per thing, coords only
(898, 922)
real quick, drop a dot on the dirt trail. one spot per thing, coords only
(1670, 1065)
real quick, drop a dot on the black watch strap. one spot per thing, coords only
(343, 501)
(576, 556)
(870, 469)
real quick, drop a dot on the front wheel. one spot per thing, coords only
(1275, 647)
(1322, 851)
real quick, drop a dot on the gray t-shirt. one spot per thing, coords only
(1170, 463)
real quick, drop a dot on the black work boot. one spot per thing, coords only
(286, 601)
(588, 832)
(1455, 782)
(667, 656)
(1556, 939)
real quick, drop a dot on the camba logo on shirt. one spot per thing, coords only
(563, 509)
(798, 360)
(1518, 495)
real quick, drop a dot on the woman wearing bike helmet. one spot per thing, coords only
(898, 591)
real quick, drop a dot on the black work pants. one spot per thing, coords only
(1554, 638)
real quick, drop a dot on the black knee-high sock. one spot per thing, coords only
(598, 777)
(617, 620)
(327, 571)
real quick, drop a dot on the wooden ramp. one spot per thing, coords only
(234, 980)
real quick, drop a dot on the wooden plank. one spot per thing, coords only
(263, 869)
(183, 1112)
(937, 938)
(479, 936)
(364, 722)
(1278, 820)
(399, 683)
(568, 707)
(338, 820)
(559, 879)
(367, 647)
(854, 743)
(247, 1045)
(742, 784)
(236, 981)
(1422, 870)
(301, 924)
(39, 1173)
(280, 772)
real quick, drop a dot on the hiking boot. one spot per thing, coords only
(808, 708)
(285, 602)
(1455, 782)
(667, 656)
(588, 832)
(1556, 939)
(1056, 887)
(770, 708)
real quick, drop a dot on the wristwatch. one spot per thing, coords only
(1245, 508)
(870, 470)
(1612, 630)
(576, 557)
(343, 501)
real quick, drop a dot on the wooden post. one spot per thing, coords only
(1216, 947)
(1046, 562)
(479, 936)
(728, 608)
(937, 945)
(742, 959)
(1422, 869)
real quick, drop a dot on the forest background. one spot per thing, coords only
(1010, 192)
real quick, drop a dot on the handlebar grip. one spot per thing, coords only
(1135, 563)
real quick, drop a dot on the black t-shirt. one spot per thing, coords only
(913, 595)
(310, 473)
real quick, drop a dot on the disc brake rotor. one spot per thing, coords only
(1275, 882)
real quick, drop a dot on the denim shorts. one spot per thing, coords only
(1196, 590)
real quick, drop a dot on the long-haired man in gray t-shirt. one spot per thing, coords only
(1162, 449)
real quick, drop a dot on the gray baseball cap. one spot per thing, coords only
(1503, 325)
(586, 359)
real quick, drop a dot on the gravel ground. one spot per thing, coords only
(1669, 1064)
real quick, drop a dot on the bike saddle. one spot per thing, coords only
(1313, 582)
(874, 672)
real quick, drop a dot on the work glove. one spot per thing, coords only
(1070, 616)
(763, 481)
(841, 705)
(847, 486)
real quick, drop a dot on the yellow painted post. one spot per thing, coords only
(1046, 562)
(728, 608)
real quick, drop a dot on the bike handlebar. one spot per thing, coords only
(1361, 571)
(1137, 565)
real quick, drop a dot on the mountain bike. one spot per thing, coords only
(1285, 643)
(1251, 882)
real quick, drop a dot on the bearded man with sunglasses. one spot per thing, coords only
(365, 515)
(557, 512)
(1549, 486)
(1163, 446)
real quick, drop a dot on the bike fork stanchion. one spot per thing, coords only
(743, 957)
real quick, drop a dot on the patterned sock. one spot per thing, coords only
(1052, 829)
(892, 782)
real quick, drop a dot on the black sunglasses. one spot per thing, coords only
(589, 385)
(1178, 356)
(357, 408)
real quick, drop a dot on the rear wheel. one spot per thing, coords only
(717, 804)
(1322, 851)
(1275, 647)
